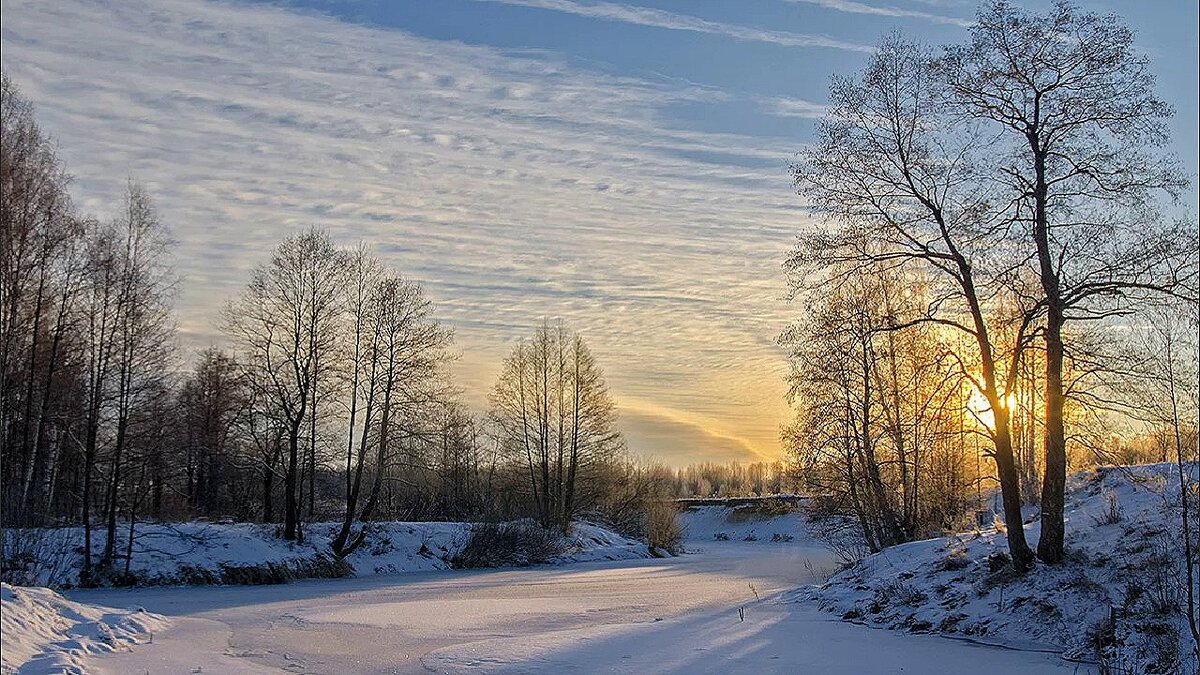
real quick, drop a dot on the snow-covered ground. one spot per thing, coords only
(730, 606)
(174, 553)
(1124, 561)
(672, 615)
(44, 632)
(763, 521)
(717, 610)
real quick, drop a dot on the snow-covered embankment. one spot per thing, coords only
(1117, 598)
(762, 519)
(46, 633)
(249, 553)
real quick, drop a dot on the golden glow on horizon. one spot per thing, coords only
(705, 425)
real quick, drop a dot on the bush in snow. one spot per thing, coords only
(30, 554)
(521, 542)
(663, 531)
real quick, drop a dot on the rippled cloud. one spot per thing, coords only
(512, 184)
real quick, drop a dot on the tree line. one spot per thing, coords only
(330, 401)
(994, 270)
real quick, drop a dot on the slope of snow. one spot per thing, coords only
(204, 553)
(744, 520)
(1123, 563)
(589, 542)
(44, 632)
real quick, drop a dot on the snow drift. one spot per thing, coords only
(46, 633)
(1115, 600)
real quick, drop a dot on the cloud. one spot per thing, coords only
(680, 438)
(514, 186)
(657, 18)
(795, 107)
(853, 7)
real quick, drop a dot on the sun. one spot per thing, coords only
(981, 409)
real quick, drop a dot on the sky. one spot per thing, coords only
(619, 166)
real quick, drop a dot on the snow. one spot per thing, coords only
(200, 552)
(589, 542)
(768, 640)
(741, 603)
(672, 615)
(767, 521)
(43, 632)
(1122, 554)
(46, 633)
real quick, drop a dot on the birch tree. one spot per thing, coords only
(555, 416)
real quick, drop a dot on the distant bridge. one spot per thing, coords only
(788, 499)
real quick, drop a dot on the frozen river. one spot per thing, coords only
(678, 615)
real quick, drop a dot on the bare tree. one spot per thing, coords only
(554, 414)
(143, 332)
(210, 402)
(878, 424)
(40, 273)
(897, 171)
(402, 349)
(1161, 387)
(1082, 165)
(286, 326)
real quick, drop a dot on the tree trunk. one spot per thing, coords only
(1050, 545)
(1010, 491)
(290, 505)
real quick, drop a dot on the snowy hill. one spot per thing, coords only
(46, 633)
(743, 519)
(1115, 600)
(249, 553)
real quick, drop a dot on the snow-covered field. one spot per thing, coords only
(205, 553)
(44, 632)
(716, 610)
(1124, 562)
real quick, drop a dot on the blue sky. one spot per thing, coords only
(621, 166)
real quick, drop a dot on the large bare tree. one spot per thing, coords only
(1084, 169)
(896, 172)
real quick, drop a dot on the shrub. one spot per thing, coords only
(521, 542)
(1112, 512)
(1102, 634)
(662, 527)
(840, 535)
(899, 593)
(955, 560)
(37, 556)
